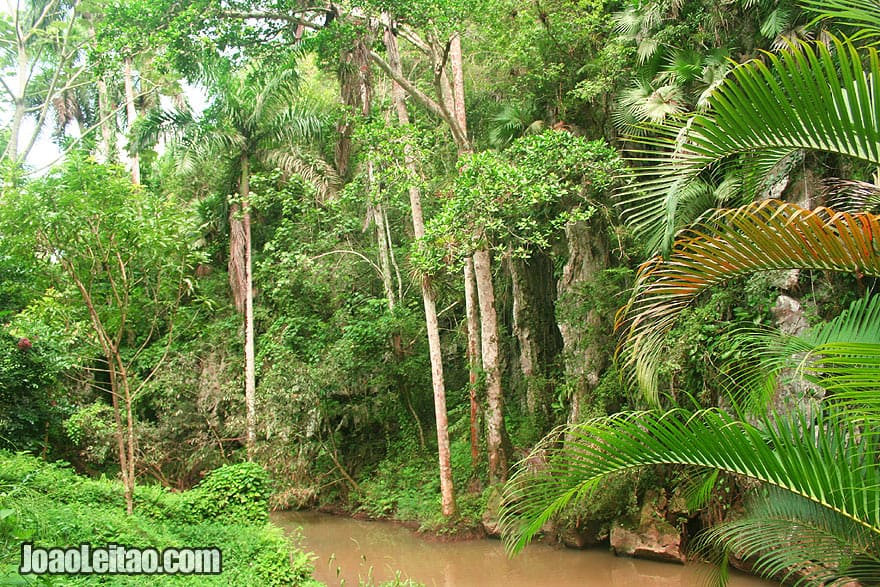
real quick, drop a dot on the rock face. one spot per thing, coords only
(653, 537)
(652, 541)
(584, 536)
(490, 522)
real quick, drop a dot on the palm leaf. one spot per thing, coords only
(842, 355)
(810, 456)
(759, 237)
(796, 540)
(146, 130)
(847, 195)
(311, 168)
(862, 15)
(807, 97)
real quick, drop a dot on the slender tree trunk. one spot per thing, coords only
(447, 491)
(18, 113)
(356, 92)
(474, 355)
(384, 255)
(15, 130)
(114, 364)
(120, 432)
(495, 431)
(250, 386)
(377, 213)
(132, 115)
(491, 351)
(129, 428)
(391, 256)
(457, 67)
(107, 144)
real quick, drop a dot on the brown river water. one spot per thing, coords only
(349, 550)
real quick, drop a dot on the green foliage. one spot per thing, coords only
(617, 499)
(50, 505)
(30, 414)
(86, 225)
(235, 493)
(591, 167)
(402, 487)
(519, 200)
(91, 429)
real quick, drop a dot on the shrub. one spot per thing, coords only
(234, 493)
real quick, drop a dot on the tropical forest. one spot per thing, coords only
(452, 292)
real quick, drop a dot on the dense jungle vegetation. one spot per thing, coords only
(570, 268)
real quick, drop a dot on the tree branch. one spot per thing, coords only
(410, 88)
(292, 18)
(413, 37)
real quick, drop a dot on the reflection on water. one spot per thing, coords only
(351, 549)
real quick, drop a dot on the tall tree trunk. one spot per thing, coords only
(377, 214)
(356, 92)
(522, 329)
(447, 491)
(131, 113)
(15, 130)
(250, 386)
(457, 67)
(107, 145)
(18, 113)
(241, 286)
(106, 141)
(124, 432)
(495, 431)
(534, 325)
(489, 338)
(129, 428)
(120, 432)
(474, 355)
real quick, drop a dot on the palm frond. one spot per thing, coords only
(512, 121)
(796, 540)
(683, 66)
(862, 15)
(808, 455)
(762, 236)
(847, 195)
(807, 97)
(628, 22)
(646, 49)
(842, 355)
(311, 168)
(146, 130)
(778, 21)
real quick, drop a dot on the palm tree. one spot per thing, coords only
(810, 96)
(816, 515)
(256, 116)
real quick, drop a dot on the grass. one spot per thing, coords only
(49, 505)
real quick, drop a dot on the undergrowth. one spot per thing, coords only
(49, 505)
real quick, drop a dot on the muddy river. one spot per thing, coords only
(351, 550)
